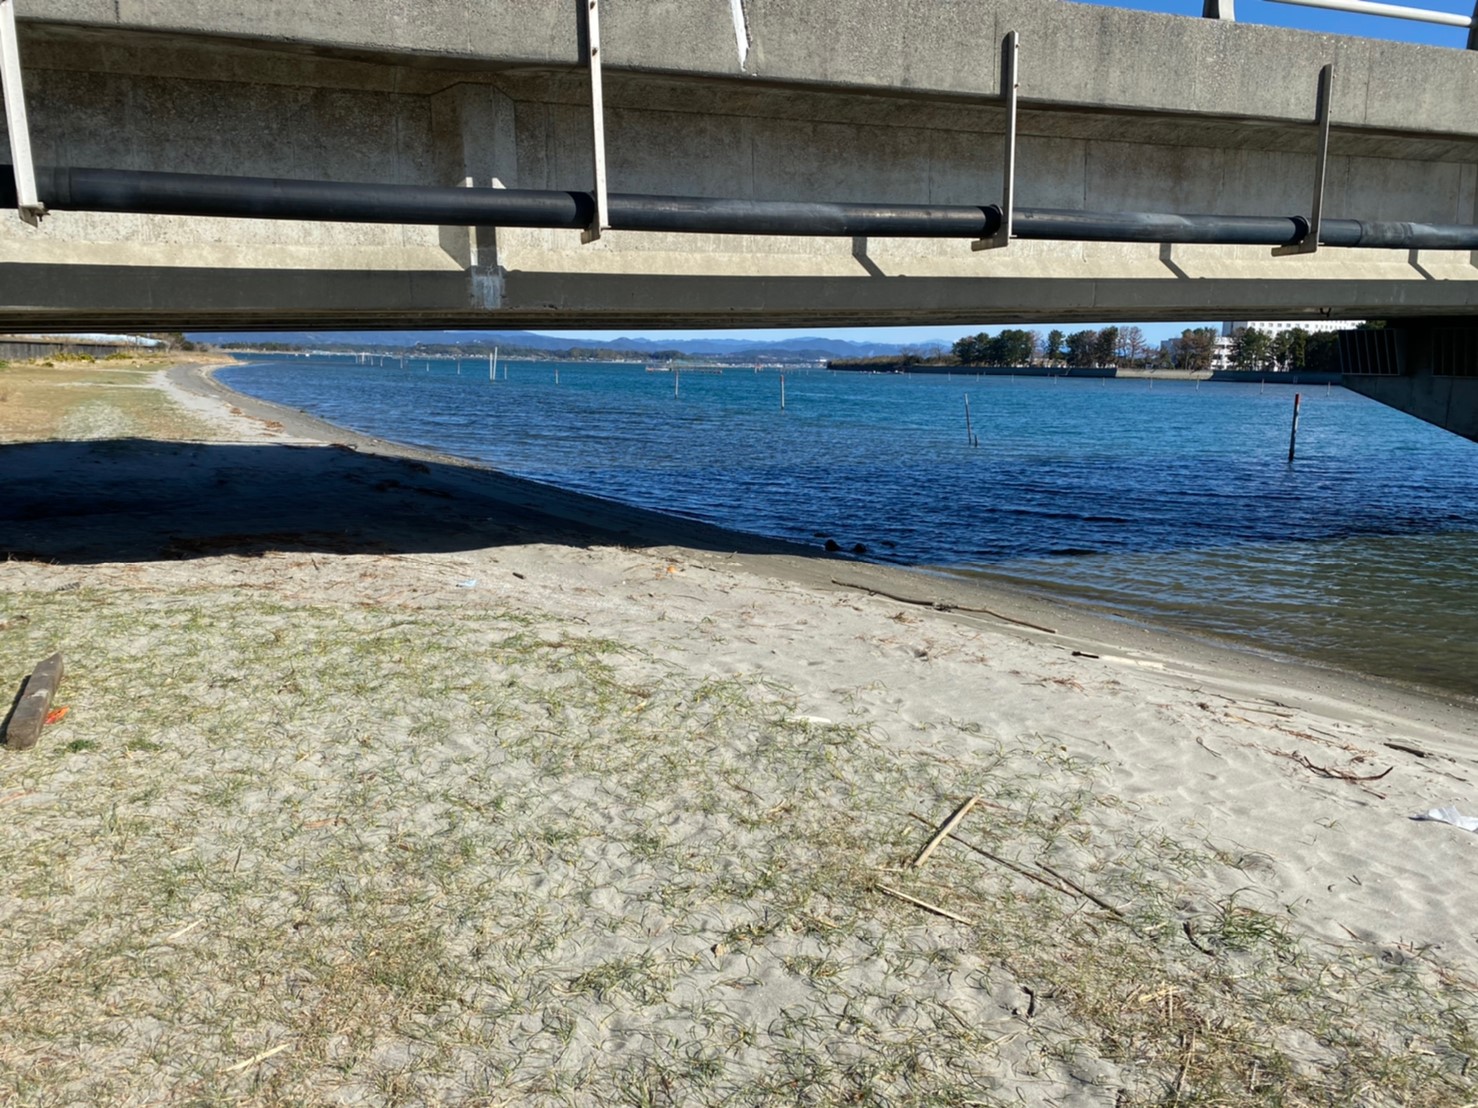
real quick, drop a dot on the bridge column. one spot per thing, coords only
(1427, 368)
(474, 132)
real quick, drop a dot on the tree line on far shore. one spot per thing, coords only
(1112, 346)
(1125, 347)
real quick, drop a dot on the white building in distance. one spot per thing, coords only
(1278, 326)
(1221, 354)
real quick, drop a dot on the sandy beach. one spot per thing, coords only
(388, 779)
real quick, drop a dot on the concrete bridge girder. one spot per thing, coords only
(848, 101)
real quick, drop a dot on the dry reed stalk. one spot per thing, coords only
(949, 825)
(262, 1057)
(924, 904)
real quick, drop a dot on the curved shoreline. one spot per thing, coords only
(1239, 667)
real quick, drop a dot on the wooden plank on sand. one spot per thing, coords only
(35, 702)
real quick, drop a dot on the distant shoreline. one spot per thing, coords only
(1095, 373)
(704, 363)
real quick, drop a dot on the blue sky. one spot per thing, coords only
(1248, 11)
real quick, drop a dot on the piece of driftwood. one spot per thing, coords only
(1339, 774)
(30, 712)
(1409, 749)
(949, 825)
(1358, 780)
(941, 605)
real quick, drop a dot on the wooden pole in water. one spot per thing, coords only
(782, 391)
(969, 430)
(675, 375)
(493, 365)
(1293, 433)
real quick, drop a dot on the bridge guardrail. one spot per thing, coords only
(1224, 9)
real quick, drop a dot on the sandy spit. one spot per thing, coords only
(389, 779)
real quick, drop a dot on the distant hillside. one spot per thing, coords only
(804, 348)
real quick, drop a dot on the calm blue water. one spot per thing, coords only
(1166, 502)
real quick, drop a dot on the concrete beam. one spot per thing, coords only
(1119, 58)
(66, 296)
(891, 102)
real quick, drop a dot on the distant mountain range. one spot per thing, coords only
(808, 348)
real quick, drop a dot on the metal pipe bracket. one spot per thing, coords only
(1010, 50)
(28, 202)
(1309, 243)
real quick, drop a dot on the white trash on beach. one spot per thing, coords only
(1450, 815)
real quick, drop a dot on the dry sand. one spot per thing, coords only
(387, 779)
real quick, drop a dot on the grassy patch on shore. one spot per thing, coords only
(73, 399)
(292, 852)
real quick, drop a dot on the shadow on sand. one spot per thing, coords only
(113, 500)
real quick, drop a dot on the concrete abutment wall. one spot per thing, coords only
(1427, 369)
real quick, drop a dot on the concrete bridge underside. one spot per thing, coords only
(852, 100)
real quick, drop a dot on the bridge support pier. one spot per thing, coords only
(474, 132)
(1427, 368)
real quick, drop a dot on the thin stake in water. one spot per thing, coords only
(782, 391)
(1293, 432)
(969, 430)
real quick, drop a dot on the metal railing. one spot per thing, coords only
(1223, 9)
